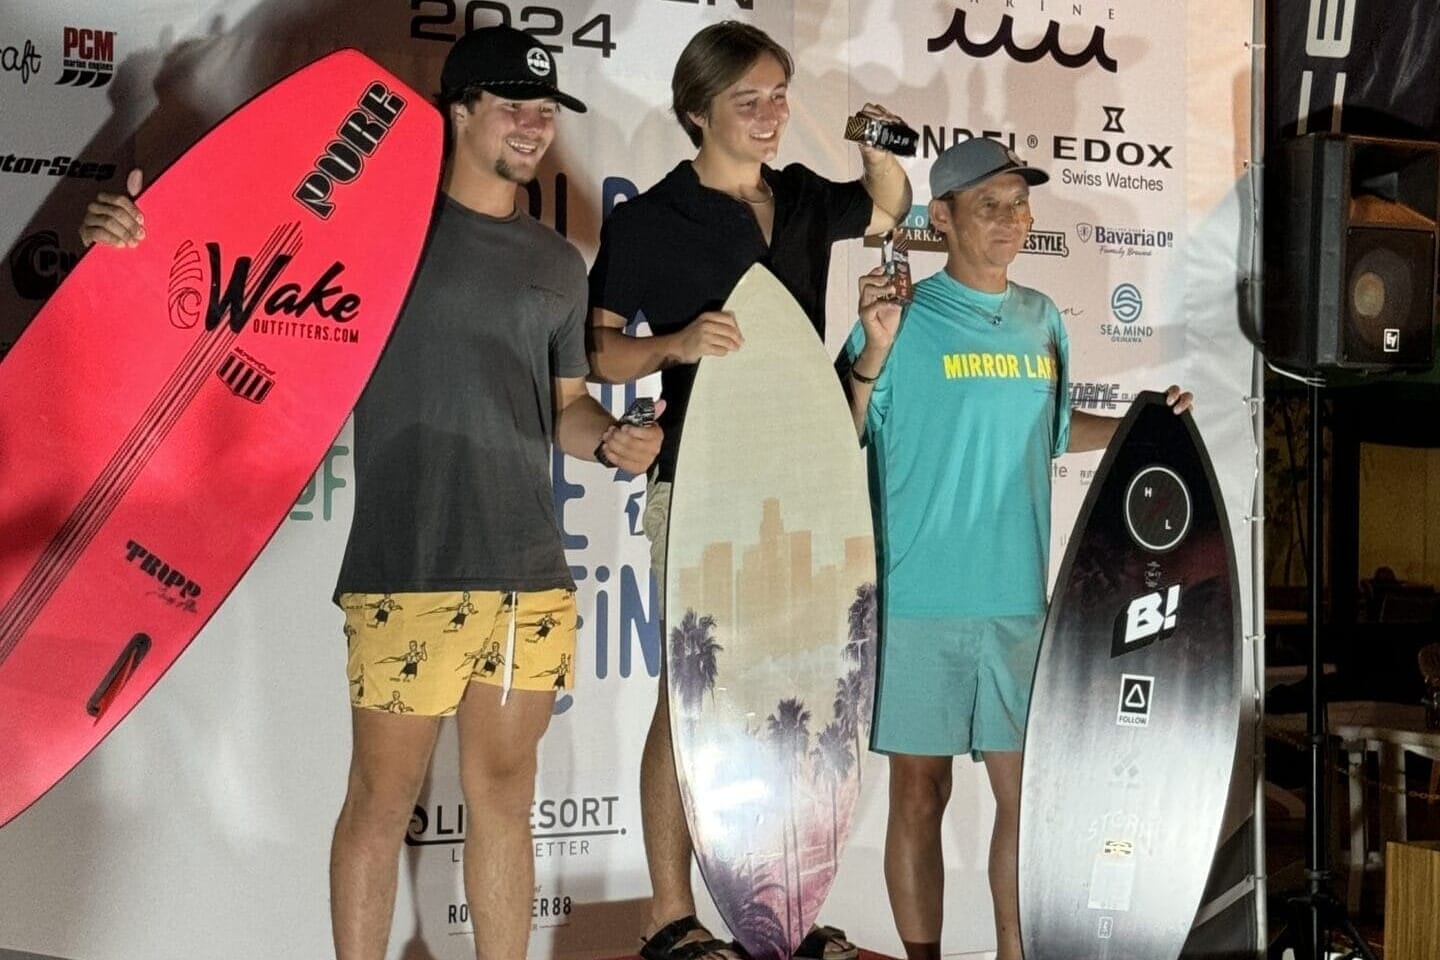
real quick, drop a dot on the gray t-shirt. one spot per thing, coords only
(453, 433)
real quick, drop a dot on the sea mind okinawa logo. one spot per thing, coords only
(1107, 161)
(88, 58)
(359, 136)
(1004, 39)
(287, 309)
(1125, 241)
(22, 60)
(1127, 306)
(1147, 618)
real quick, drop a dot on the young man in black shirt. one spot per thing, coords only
(675, 252)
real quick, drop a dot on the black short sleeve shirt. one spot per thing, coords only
(679, 248)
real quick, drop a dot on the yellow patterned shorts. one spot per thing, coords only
(418, 652)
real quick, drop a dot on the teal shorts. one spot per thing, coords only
(950, 685)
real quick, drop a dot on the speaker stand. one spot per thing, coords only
(1316, 912)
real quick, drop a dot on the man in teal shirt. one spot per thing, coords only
(963, 401)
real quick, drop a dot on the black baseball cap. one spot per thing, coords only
(503, 61)
(971, 162)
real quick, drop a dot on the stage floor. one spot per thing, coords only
(864, 955)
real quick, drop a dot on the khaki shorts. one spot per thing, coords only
(656, 524)
(418, 652)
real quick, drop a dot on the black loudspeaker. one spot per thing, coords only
(1352, 254)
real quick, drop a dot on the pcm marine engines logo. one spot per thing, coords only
(88, 57)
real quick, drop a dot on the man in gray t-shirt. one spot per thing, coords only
(457, 596)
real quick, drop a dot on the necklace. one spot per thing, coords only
(1000, 309)
(769, 195)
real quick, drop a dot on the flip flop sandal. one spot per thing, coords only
(665, 944)
(815, 942)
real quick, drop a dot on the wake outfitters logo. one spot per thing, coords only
(88, 59)
(1004, 39)
(38, 264)
(288, 310)
(343, 161)
(1127, 306)
(918, 233)
(22, 60)
(1125, 241)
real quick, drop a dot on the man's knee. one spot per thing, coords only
(503, 777)
(381, 799)
(919, 789)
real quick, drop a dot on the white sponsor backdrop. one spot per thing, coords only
(201, 827)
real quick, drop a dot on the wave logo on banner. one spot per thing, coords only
(38, 264)
(22, 60)
(1004, 39)
(89, 57)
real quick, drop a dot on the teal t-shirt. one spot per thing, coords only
(964, 419)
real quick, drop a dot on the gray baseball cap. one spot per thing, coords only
(970, 162)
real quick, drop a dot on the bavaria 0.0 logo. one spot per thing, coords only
(1125, 241)
(1126, 303)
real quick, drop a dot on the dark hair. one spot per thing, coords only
(715, 58)
(444, 100)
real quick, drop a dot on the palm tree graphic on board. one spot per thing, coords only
(855, 692)
(693, 661)
(788, 730)
(757, 924)
(833, 759)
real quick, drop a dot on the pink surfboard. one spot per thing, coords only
(162, 412)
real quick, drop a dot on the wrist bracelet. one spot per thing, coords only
(861, 378)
